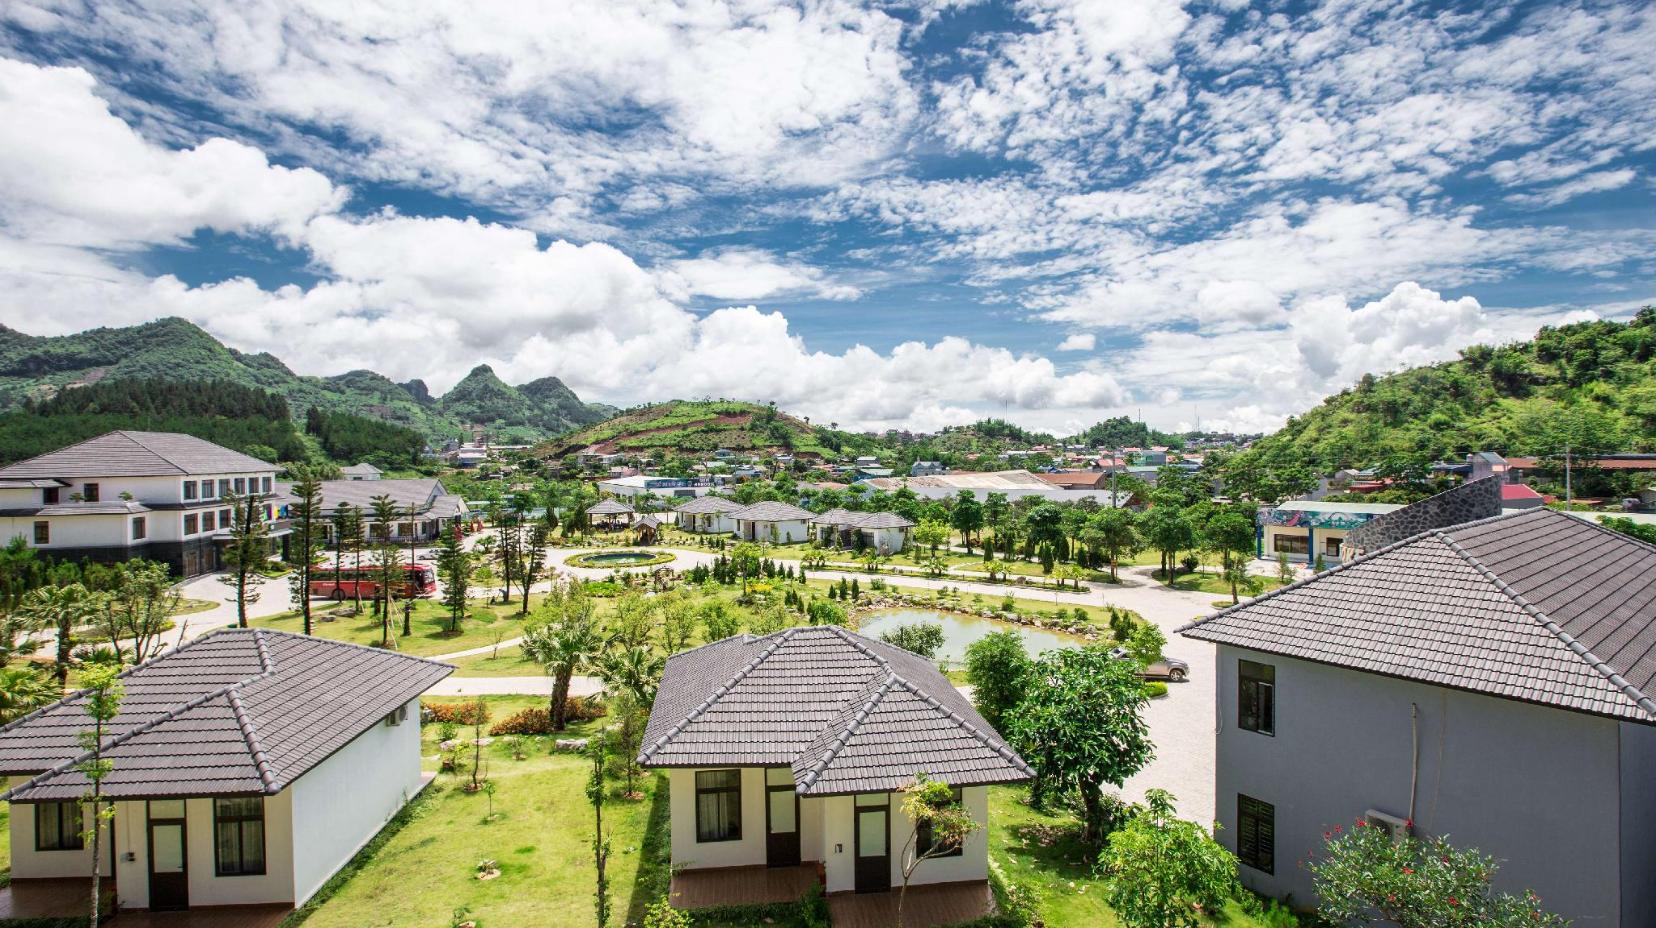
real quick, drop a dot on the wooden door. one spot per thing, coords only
(169, 875)
(873, 843)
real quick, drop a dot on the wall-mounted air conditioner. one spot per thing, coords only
(1396, 827)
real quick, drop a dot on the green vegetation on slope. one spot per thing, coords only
(701, 427)
(1591, 385)
(176, 350)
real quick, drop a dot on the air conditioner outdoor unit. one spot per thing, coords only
(397, 716)
(1395, 827)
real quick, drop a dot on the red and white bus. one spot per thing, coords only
(342, 582)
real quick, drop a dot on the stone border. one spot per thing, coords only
(655, 558)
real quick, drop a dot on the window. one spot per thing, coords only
(239, 839)
(241, 486)
(206, 489)
(924, 842)
(1331, 546)
(1256, 697)
(207, 524)
(224, 519)
(140, 528)
(718, 805)
(43, 533)
(189, 489)
(1256, 833)
(89, 492)
(1293, 544)
(49, 496)
(58, 827)
(224, 487)
(265, 485)
(192, 524)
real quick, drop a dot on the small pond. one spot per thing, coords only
(961, 630)
(616, 559)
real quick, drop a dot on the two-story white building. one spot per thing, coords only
(127, 494)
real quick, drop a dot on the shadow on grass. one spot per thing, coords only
(655, 873)
(1054, 849)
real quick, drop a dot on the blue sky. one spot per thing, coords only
(897, 215)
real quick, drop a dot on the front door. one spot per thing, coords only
(781, 818)
(169, 878)
(873, 840)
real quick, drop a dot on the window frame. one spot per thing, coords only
(733, 829)
(51, 496)
(220, 819)
(1254, 812)
(1256, 687)
(139, 528)
(42, 532)
(190, 491)
(91, 492)
(78, 819)
(1301, 543)
(192, 523)
(923, 840)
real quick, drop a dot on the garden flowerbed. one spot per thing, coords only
(618, 559)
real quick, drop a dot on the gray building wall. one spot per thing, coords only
(1638, 823)
(1538, 788)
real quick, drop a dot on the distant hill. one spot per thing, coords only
(689, 427)
(1591, 385)
(39, 367)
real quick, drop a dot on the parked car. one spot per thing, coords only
(1170, 669)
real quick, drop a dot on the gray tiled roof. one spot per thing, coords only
(868, 520)
(648, 522)
(1537, 606)
(364, 469)
(771, 511)
(136, 454)
(427, 495)
(608, 507)
(847, 713)
(239, 711)
(710, 503)
(71, 508)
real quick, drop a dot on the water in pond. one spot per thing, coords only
(961, 630)
(617, 558)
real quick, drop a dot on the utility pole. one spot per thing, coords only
(1569, 490)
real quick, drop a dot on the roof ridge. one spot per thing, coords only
(1337, 568)
(250, 734)
(261, 633)
(856, 641)
(749, 667)
(1580, 650)
(844, 737)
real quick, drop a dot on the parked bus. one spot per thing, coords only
(343, 582)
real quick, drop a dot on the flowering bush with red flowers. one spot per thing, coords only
(1416, 883)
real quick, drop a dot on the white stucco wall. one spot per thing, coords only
(839, 862)
(839, 830)
(76, 531)
(340, 804)
(888, 539)
(28, 863)
(687, 852)
(275, 885)
(786, 531)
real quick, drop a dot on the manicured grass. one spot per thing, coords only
(430, 626)
(192, 606)
(510, 663)
(1043, 852)
(540, 838)
(5, 839)
(1203, 582)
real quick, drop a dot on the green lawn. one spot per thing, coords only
(1043, 852)
(510, 663)
(1204, 582)
(430, 626)
(540, 838)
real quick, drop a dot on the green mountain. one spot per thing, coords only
(38, 367)
(1590, 385)
(682, 427)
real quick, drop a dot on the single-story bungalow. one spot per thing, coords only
(794, 748)
(247, 767)
(774, 522)
(886, 532)
(709, 515)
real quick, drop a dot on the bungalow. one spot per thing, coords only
(709, 515)
(433, 508)
(794, 748)
(130, 494)
(362, 471)
(774, 522)
(1488, 681)
(247, 767)
(886, 532)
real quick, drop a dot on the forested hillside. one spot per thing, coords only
(701, 427)
(1590, 386)
(38, 367)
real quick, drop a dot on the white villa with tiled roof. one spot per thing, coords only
(885, 532)
(129, 494)
(779, 523)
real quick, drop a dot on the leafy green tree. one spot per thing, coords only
(1415, 883)
(931, 535)
(931, 806)
(1230, 535)
(717, 621)
(101, 685)
(347, 529)
(532, 561)
(1145, 643)
(137, 607)
(388, 567)
(922, 638)
(998, 669)
(967, 517)
(454, 566)
(631, 673)
(1166, 529)
(247, 552)
(1081, 725)
(305, 512)
(1163, 872)
(61, 609)
(565, 642)
(1114, 532)
(746, 557)
(598, 749)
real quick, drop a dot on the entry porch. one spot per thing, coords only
(67, 898)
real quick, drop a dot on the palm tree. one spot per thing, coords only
(23, 690)
(565, 648)
(632, 674)
(61, 608)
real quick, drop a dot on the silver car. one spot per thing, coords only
(1170, 669)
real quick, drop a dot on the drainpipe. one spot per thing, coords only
(1414, 764)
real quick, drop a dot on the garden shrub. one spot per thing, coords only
(459, 713)
(1155, 689)
(538, 721)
